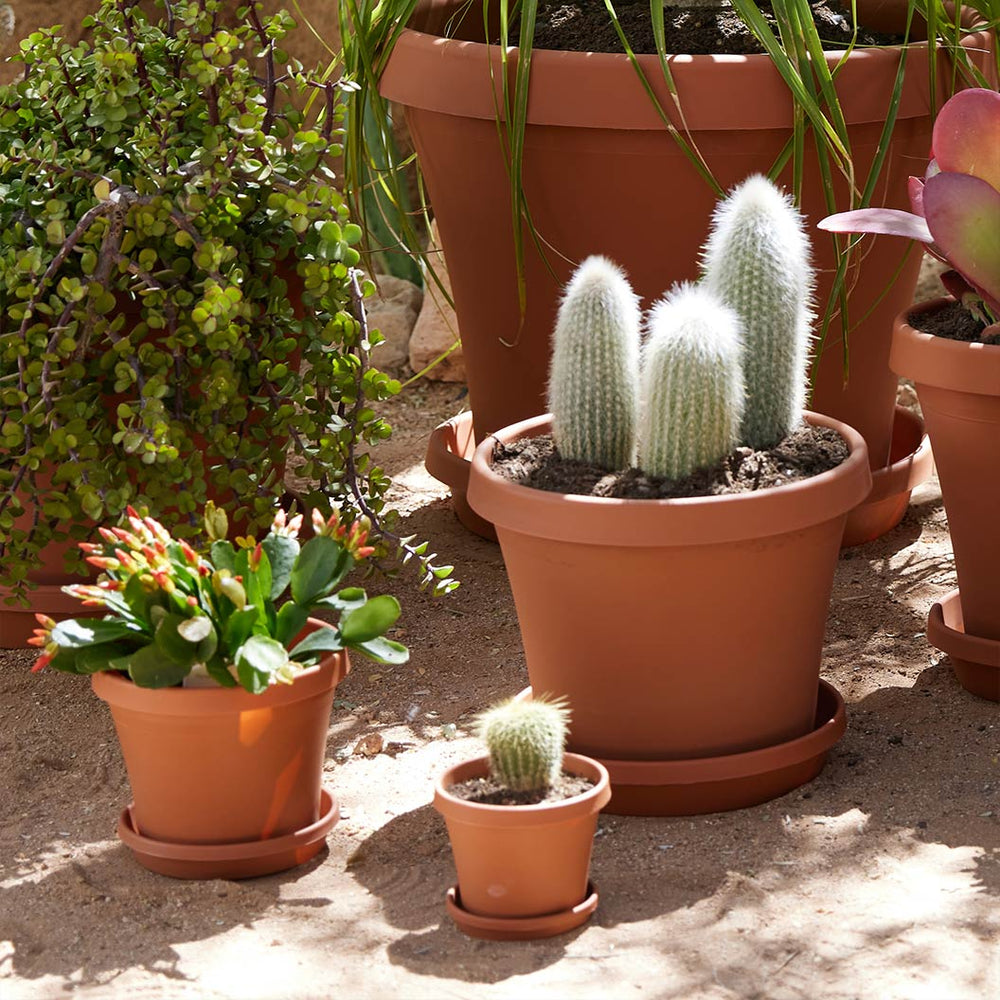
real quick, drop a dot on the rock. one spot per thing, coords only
(437, 326)
(393, 311)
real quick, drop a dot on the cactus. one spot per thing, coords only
(594, 375)
(525, 740)
(692, 383)
(756, 261)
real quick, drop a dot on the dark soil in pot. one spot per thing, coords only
(952, 321)
(806, 452)
(489, 792)
(584, 26)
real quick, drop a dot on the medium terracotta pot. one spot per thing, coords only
(602, 176)
(958, 385)
(676, 629)
(522, 870)
(220, 766)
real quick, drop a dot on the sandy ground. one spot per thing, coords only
(880, 880)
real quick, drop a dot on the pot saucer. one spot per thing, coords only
(910, 464)
(976, 661)
(448, 460)
(246, 859)
(718, 784)
(519, 928)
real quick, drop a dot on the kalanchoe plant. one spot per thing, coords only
(234, 613)
(179, 306)
(956, 207)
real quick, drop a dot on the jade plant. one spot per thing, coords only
(526, 741)
(956, 206)
(593, 380)
(235, 614)
(180, 307)
(724, 362)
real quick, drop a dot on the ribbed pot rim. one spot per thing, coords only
(120, 692)
(541, 814)
(960, 366)
(452, 76)
(688, 521)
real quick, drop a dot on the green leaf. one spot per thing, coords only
(316, 571)
(223, 555)
(346, 600)
(323, 640)
(91, 659)
(370, 620)
(238, 627)
(257, 660)
(76, 633)
(383, 650)
(281, 551)
(290, 621)
(149, 667)
(173, 645)
(195, 629)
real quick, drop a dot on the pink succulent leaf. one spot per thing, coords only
(885, 221)
(915, 189)
(963, 213)
(957, 287)
(967, 135)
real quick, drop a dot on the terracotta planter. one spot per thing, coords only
(594, 134)
(522, 870)
(958, 385)
(677, 629)
(219, 775)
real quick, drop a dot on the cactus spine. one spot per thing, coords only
(594, 375)
(692, 384)
(526, 741)
(756, 261)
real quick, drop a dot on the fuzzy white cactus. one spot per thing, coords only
(692, 383)
(756, 261)
(594, 374)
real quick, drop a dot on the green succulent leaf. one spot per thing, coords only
(150, 667)
(371, 620)
(257, 660)
(173, 645)
(345, 600)
(383, 650)
(75, 633)
(317, 569)
(281, 551)
(323, 640)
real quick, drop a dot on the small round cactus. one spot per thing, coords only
(692, 383)
(594, 374)
(525, 740)
(756, 261)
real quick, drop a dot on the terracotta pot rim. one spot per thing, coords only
(909, 471)
(541, 814)
(425, 68)
(961, 366)
(945, 632)
(119, 690)
(685, 521)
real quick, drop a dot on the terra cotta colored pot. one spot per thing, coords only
(522, 870)
(676, 629)
(601, 175)
(221, 766)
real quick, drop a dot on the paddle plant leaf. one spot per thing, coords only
(967, 135)
(885, 221)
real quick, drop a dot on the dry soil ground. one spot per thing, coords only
(881, 880)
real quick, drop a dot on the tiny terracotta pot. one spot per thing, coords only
(522, 870)
(221, 766)
(958, 385)
(676, 629)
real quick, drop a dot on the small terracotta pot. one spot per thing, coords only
(958, 385)
(676, 629)
(220, 766)
(519, 864)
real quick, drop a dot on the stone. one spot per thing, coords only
(393, 312)
(437, 326)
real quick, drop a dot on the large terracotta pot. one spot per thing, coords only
(221, 775)
(522, 870)
(601, 175)
(958, 385)
(676, 629)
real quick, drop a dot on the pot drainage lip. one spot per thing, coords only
(520, 928)
(242, 859)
